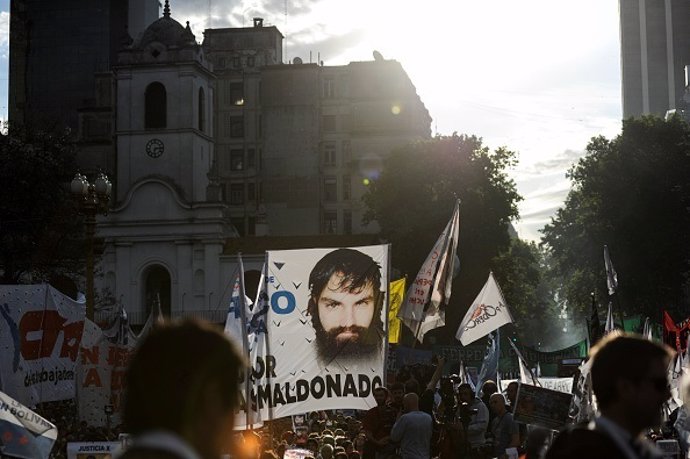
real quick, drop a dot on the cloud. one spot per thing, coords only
(4, 34)
(560, 162)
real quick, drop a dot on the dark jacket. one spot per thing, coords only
(584, 441)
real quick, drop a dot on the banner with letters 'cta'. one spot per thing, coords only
(326, 330)
(40, 334)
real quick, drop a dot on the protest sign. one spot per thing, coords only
(326, 330)
(40, 334)
(541, 407)
(93, 450)
(564, 385)
(101, 372)
(24, 433)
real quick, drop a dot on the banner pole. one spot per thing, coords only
(387, 309)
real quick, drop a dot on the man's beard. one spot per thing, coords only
(364, 342)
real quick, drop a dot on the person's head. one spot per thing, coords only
(313, 445)
(629, 378)
(412, 386)
(497, 404)
(380, 395)
(397, 390)
(465, 393)
(326, 451)
(511, 392)
(410, 402)
(489, 387)
(345, 302)
(183, 378)
(349, 446)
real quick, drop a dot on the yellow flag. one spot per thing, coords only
(396, 291)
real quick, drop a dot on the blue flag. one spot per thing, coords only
(23, 433)
(489, 367)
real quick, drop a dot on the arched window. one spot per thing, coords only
(202, 109)
(157, 282)
(156, 106)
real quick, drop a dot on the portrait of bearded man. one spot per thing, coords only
(345, 303)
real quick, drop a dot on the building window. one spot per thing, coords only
(330, 222)
(237, 194)
(236, 93)
(251, 231)
(328, 122)
(347, 187)
(346, 152)
(329, 154)
(328, 88)
(251, 158)
(330, 189)
(347, 222)
(223, 159)
(221, 63)
(251, 192)
(236, 62)
(236, 126)
(155, 106)
(250, 61)
(236, 160)
(202, 109)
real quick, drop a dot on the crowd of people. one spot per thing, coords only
(420, 415)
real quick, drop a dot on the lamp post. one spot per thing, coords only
(93, 199)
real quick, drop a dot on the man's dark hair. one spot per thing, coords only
(380, 389)
(358, 271)
(623, 356)
(173, 370)
(464, 386)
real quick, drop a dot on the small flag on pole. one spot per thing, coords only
(430, 291)
(489, 368)
(611, 276)
(396, 293)
(610, 326)
(488, 312)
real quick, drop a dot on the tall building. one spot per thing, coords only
(58, 46)
(219, 147)
(655, 48)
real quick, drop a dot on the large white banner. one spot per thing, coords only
(326, 329)
(40, 334)
(101, 372)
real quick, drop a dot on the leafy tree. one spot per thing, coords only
(413, 199)
(520, 271)
(39, 226)
(633, 194)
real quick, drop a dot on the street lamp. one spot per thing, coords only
(93, 199)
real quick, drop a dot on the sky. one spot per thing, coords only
(540, 77)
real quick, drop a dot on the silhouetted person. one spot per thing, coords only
(413, 430)
(182, 387)
(630, 383)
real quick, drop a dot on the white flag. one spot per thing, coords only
(526, 375)
(647, 329)
(488, 312)
(155, 318)
(610, 326)
(611, 276)
(422, 311)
